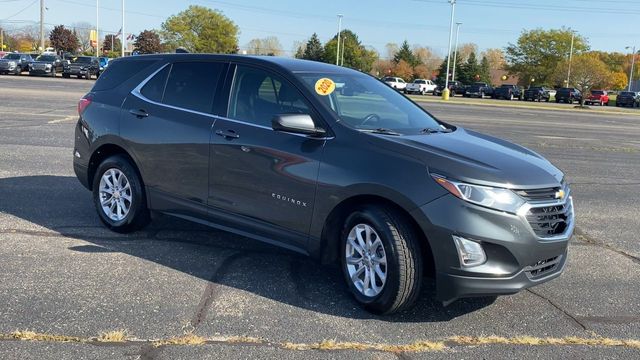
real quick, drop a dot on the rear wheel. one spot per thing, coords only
(381, 259)
(118, 195)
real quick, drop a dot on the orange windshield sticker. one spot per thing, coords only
(325, 86)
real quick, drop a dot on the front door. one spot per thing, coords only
(258, 173)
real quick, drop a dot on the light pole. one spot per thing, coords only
(633, 61)
(97, 29)
(122, 51)
(41, 25)
(445, 92)
(338, 46)
(573, 34)
(455, 52)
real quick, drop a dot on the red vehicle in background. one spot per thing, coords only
(599, 97)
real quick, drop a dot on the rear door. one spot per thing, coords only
(264, 178)
(167, 121)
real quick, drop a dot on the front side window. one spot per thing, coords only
(258, 95)
(364, 103)
(192, 85)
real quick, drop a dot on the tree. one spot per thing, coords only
(405, 53)
(538, 52)
(469, 71)
(265, 46)
(147, 42)
(382, 67)
(298, 49)
(391, 49)
(485, 70)
(587, 72)
(422, 72)
(443, 70)
(111, 43)
(618, 81)
(83, 33)
(63, 39)
(495, 57)
(355, 55)
(313, 49)
(464, 50)
(403, 69)
(200, 30)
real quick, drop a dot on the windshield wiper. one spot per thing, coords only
(434, 131)
(384, 131)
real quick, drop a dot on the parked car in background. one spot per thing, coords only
(47, 65)
(536, 93)
(15, 63)
(82, 66)
(508, 92)
(455, 88)
(628, 98)
(568, 95)
(420, 86)
(599, 97)
(395, 82)
(478, 89)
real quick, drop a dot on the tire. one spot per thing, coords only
(88, 75)
(137, 215)
(404, 264)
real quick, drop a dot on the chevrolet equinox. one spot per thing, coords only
(325, 161)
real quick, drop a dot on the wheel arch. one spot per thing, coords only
(104, 151)
(330, 246)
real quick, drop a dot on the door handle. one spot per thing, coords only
(229, 134)
(139, 113)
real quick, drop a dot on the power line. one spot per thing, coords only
(21, 11)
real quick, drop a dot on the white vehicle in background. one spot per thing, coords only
(395, 82)
(420, 86)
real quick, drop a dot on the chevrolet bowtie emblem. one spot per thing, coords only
(560, 194)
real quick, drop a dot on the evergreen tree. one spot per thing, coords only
(314, 50)
(405, 53)
(485, 70)
(469, 70)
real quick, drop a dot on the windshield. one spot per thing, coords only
(419, 82)
(46, 58)
(12, 56)
(627, 93)
(364, 103)
(597, 92)
(81, 60)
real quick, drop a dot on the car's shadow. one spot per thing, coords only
(62, 205)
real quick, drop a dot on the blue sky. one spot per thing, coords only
(609, 25)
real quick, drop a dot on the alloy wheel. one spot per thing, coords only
(115, 194)
(366, 260)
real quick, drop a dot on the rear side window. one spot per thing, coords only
(119, 72)
(154, 88)
(192, 85)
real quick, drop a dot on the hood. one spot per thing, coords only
(480, 159)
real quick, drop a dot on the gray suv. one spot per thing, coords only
(327, 162)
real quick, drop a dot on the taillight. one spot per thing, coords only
(83, 103)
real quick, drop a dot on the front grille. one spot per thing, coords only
(545, 194)
(543, 267)
(552, 220)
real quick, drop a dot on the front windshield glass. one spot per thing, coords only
(597, 92)
(419, 82)
(46, 58)
(627, 93)
(12, 56)
(365, 103)
(81, 60)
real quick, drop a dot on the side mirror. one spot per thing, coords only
(296, 123)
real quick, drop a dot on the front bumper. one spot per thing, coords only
(40, 71)
(514, 252)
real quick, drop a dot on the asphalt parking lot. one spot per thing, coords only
(66, 282)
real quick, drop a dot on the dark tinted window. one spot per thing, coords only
(46, 58)
(627, 93)
(597, 92)
(258, 95)
(12, 56)
(192, 85)
(118, 72)
(154, 88)
(82, 60)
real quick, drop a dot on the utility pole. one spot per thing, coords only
(342, 56)
(455, 52)
(122, 52)
(633, 61)
(570, 58)
(97, 29)
(338, 47)
(41, 25)
(445, 92)
(1, 39)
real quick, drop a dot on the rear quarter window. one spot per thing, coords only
(119, 72)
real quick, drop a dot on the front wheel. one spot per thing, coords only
(118, 195)
(381, 259)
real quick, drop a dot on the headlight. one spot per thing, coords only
(48, 65)
(494, 198)
(12, 63)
